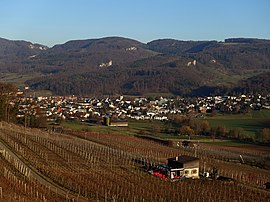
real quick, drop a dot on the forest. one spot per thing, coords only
(162, 66)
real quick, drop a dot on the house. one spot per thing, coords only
(183, 166)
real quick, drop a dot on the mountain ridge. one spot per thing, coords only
(122, 65)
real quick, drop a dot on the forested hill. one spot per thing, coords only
(14, 54)
(116, 65)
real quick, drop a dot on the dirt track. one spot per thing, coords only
(42, 179)
(242, 148)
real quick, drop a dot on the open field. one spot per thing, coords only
(17, 79)
(206, 142)
(225, 78)
(250, 122)
(104, 167)
(135, 127)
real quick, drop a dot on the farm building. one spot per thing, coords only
(183, 166)
(119, 123)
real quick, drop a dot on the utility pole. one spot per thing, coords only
(25, 123)
(8, 111)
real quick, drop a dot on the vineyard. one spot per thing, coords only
(41, 166)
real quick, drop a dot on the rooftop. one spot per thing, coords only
(183, 159)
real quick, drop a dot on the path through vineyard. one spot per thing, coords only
(39, 177)
(109, 167)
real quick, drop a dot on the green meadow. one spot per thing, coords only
(135, 127)
(251, 122)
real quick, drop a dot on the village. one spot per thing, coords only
(138, 108)
(184, 161)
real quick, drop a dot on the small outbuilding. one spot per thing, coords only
(119, 123)
(183, 166)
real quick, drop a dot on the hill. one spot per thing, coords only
(85, 166)
(15, 54)
(116, 65)
(172, 46)
(235, 54)
(255, 84)
(93, 53)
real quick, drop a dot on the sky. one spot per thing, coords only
(51, 22)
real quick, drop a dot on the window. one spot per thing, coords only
(194, 171)
(186, 172)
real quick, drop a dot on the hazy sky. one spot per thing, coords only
(52, 22)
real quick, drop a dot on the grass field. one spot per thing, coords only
(17, 79)
(228, 78)
(250, 122)
(135, 127)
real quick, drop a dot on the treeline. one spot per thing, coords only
(9, 109)
(143, 81)
(257, 84)
(119, 81)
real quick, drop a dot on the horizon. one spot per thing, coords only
(222, 41)
(56, 22)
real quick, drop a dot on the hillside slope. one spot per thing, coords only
(116, 65)
(14, 54)
(85, 166)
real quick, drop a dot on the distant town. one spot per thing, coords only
(139, 108)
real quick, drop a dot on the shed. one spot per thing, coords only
(183, 166)
(119, 123)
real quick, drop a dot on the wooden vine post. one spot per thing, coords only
(1, 193)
